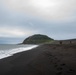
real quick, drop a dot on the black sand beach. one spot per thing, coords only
(48, 59)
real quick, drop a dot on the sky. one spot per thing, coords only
(22, 18)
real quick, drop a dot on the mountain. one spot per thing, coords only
(37, 39)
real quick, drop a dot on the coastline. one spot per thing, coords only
(7, 52)
(48, 59)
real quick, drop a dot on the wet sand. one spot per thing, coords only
(48, 59)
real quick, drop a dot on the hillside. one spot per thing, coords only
(37, 39)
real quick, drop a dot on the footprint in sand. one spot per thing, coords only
(59, 73)
(59, 69)
(63, 64)
(71, 71)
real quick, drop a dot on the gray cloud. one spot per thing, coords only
(18, 24)
(46, 9)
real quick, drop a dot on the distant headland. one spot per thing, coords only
(44, 39)
(37, 39)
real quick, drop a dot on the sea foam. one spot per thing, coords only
(10, 52)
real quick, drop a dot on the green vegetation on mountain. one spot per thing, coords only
(37, 39)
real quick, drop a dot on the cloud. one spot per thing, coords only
(14, 32)
(46, 9)
(22, 18)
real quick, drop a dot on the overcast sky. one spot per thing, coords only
(22, 18)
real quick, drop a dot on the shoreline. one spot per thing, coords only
(11, 52)
(48, 59)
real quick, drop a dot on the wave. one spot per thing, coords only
(10, 52)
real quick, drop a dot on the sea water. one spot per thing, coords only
(7, 50)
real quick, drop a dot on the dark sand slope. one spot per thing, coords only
(44, 60)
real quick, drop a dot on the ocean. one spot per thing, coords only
(7, 50)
